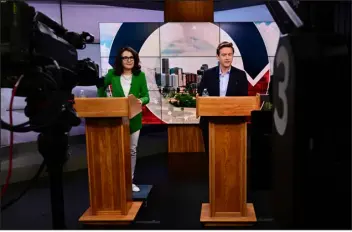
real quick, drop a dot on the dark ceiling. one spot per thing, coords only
(159, 4)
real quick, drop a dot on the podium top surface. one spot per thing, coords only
(107, 107)
(227, 106)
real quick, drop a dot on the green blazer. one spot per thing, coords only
(138, 88)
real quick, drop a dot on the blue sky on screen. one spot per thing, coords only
(107, 34)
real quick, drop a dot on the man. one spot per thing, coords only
(223, 80)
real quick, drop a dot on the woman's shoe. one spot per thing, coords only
(135, 188)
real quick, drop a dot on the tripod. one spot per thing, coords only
(53, 146)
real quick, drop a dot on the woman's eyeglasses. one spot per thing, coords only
(127, 58)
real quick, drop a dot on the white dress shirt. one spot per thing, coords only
(224, 81)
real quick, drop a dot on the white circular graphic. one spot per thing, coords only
(187, 46)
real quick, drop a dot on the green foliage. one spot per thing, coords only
(183, 100)
(171, 94)
(267, 106)
(190, 90)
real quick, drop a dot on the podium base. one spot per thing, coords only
(111, 218)
(207, 220)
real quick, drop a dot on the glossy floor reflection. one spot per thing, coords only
(173, 203)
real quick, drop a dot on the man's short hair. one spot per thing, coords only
(224, 44)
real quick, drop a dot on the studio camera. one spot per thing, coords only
(43, 54)
(39, 62)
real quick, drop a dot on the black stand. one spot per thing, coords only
(53, 146)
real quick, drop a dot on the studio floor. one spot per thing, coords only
(173, 203)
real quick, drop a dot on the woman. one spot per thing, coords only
(127, 78)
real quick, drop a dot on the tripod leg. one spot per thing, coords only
(57, 197)
(53, 147)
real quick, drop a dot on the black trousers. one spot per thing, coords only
(204, 126)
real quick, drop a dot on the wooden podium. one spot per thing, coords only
(109, 159)
(227, 160)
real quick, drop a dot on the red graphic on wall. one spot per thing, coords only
(149, 117)
(261, 87)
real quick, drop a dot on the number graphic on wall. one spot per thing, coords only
(282, 58)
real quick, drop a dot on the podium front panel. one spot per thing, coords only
(109, 161)
(228, 155)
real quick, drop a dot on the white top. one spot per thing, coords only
(126, 82)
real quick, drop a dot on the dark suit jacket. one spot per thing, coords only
(237, 86)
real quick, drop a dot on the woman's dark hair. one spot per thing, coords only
(118, 66)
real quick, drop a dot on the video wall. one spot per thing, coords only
(174, 56)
